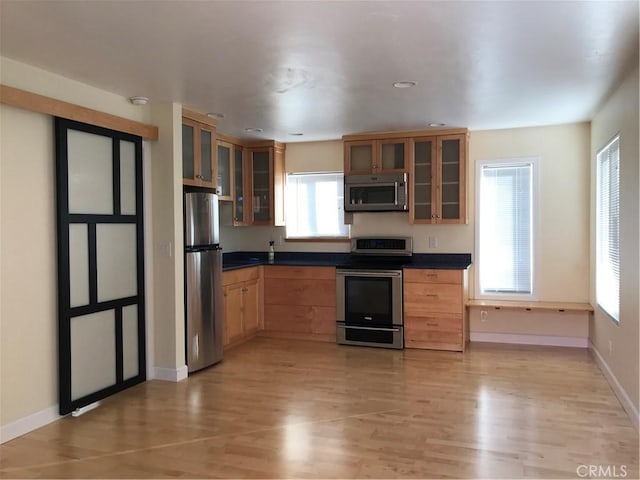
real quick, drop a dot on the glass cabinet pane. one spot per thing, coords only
(188, 154)
(224, 170)
(206, 150)
(361, 157)
(238, 175)
(261, 193)
(451, 179)
(423, 180)
(393, 156)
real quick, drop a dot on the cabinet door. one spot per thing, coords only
(189, 152)
(233, 330)
(393, 155)
(360, 157)
(239, 187)
(207, 158)
(261, 186)
(422, 194)
(250, 302)
(225, 171)
(452, 175)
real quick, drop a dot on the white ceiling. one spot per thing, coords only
(326, 68)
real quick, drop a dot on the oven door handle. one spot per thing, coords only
(370, 328)
(368, 273)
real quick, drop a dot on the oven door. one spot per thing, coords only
(369, 307)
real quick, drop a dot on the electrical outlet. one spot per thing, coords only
(433, 242)
(483, 315)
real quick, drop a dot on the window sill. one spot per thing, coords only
(318, 239)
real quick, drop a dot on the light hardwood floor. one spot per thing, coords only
(285, 408)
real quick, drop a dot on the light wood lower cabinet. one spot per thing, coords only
(434, 312)
(300, 302)
(242, 290)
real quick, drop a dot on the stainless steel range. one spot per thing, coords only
(369, 292)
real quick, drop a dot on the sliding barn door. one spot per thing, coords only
(101, 333)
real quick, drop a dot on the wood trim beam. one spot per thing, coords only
(57, 108)
(409, 134)
(198, 117)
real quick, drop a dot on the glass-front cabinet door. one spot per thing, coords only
(422, 186)
(393, 154)
(452, 152)
(207, 158)
(189, 152)
(225, 171)
(360, 157)
(261, 194)
(239, 187)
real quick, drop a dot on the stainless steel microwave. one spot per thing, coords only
(375, 193)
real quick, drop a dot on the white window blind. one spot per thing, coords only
(608, 229)
(505, 218)
(315, 205)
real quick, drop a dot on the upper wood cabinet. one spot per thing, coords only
(199, 166)
(265, 170)
(437, 186)
(375, 155)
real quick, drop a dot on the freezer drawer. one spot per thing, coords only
(204, 309)
(201, 219)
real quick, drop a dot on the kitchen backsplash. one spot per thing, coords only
(426, 238)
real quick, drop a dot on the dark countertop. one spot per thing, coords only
(236, 260)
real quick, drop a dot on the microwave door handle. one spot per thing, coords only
(395, 193)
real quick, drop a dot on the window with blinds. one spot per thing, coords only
(505, 227)
(315, 205)
(608, 229)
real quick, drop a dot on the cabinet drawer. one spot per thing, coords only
(296, 273)
(422, 299)
(434, 340)
(240, 275)
(433, 323)
(419, 275)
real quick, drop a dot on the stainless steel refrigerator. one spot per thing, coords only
(203, 281)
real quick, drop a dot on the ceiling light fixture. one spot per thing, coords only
(217, 115)
(434, 124)
(297, 134)
(253, 130)
(405, 84)
(139, 100)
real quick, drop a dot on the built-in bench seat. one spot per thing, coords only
(531, 306)
(529, 322)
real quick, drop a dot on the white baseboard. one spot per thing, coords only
(170, 374)
(549, 340)
(623, 398)
(27, 424)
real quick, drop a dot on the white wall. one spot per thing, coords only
(28, 295)
(619, 115)
(168, 241)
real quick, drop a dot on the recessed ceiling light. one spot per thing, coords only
(297, 134)
(434, 124)
(405, 84)
(253, 130)
(217, 115)
(139, 100)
